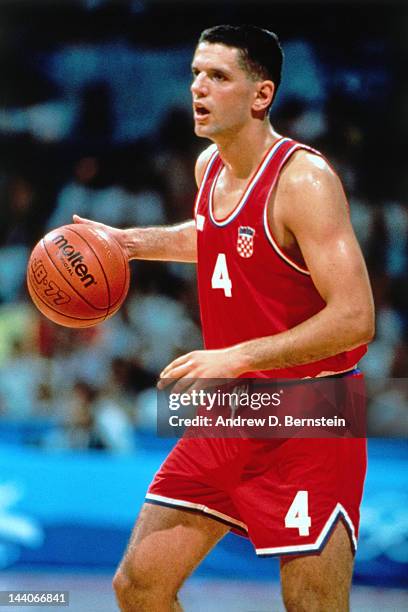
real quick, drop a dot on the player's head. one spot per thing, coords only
(239, 54)
(260, 53)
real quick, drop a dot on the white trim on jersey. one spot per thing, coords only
(207, 170)
(278, 250)
(268, 232)
(248, 189)
(200, 507)
(338, 511)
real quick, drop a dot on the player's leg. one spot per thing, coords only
(165, 547)
(311, 488)
(320, 583)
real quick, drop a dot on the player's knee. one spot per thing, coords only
(135, 588)
(317, 600)
(129, 587)
(123, 585)
(312, 592)
(312, 599)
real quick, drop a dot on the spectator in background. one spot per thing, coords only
(78, 192)
(20, 378)
(18, 212)
(160, 319)
(79, 429)
(384, 257)
(75, 355)
(18, 224)
(113, 425)
(113, 188)
(177, 149)
(91, 420)
(143, 186)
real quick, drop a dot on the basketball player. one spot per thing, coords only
(284, 293)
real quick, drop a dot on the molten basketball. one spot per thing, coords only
(78, 275)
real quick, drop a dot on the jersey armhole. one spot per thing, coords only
(269, 234)
(210, 161)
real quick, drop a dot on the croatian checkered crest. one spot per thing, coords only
(245, 242)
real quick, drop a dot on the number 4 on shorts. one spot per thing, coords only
(297, 516)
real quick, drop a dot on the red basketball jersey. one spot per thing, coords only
(248, 286)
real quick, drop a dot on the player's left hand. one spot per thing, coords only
(189, 369)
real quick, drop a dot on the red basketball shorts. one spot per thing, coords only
(285, 495)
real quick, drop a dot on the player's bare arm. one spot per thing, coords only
(168, 243)
(309, 215)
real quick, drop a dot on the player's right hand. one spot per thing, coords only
(118, 234)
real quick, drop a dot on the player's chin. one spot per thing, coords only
(200, 130)
(205, 132)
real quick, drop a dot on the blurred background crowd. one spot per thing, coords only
(95, 119)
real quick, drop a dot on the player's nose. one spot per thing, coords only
(199, 86)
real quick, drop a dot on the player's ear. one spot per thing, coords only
(263, 96)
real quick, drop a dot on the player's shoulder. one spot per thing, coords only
(308, 169)
(202, 161)
(309, 190)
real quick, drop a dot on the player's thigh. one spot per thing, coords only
(167, 544)
(315, 583)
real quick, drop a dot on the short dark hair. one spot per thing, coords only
(261, 54)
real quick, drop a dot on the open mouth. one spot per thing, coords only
(200, 110)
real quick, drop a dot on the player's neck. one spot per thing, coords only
(242, 153)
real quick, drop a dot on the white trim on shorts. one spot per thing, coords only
(169, 501)
(339, 511)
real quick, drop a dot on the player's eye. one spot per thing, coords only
(218, 76)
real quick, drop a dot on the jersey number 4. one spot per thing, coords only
(220, 278)
(297, 516)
